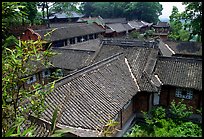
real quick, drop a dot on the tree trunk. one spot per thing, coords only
(48, 22)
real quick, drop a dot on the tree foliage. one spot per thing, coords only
(17, 60)
(17, 67)
(31, 11)
(147, 11)
(10, 15)
(159, 124)
(193, 19)
(192, 26)
(65, 7)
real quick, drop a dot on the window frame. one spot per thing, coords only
(29, 81)
(188, 96)
(43, 73)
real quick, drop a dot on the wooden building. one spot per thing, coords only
(161, 30)
(92, 96)
(71, 34)
(180, 78)
(62, 17)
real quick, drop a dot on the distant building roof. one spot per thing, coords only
(72, 30)
(61, 15)
(114, 20)
(118, 27)
(128, 27)
(162, 24)
(180, 72)
(90, 20)
(136, 24)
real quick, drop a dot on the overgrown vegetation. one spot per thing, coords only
(167, 123)
(20, 59)
(187, 25)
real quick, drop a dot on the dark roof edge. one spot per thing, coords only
(180, 58)
(181, 86)
(58, 48)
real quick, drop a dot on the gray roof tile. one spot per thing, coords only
(181, 72)
(93, 95)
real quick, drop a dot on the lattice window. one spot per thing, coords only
(32, 79)
(184, 93)
(46, 73)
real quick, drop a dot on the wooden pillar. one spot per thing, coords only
(75, 39)
(68, 42)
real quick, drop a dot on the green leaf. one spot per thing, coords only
(54, 119)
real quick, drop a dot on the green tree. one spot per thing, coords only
(65, 7)
(10, 15)
(147, 11)
(175, 23)
(87, 8)
(17, 68)
(30, 12)
(159, 124)
(193, 19)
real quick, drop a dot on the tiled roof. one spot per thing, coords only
(181, 72)
(165, 49)
(71, 59)
(136, 24)
(93, 95)
(71, 31)
(59, 25)
(65, 15)
(93, 19)
(114, 20)
(185, 48)
(128, 27)
(141, 59)
(90, 45)
(162, 24)
(43, 127)
(109, 30)
(118, 27)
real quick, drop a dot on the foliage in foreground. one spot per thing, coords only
(18, 58)
(161, 125)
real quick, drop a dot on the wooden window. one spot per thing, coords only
(79, 39)
(72, 41)
(45, 73)
(32, 79)
(184, 93)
